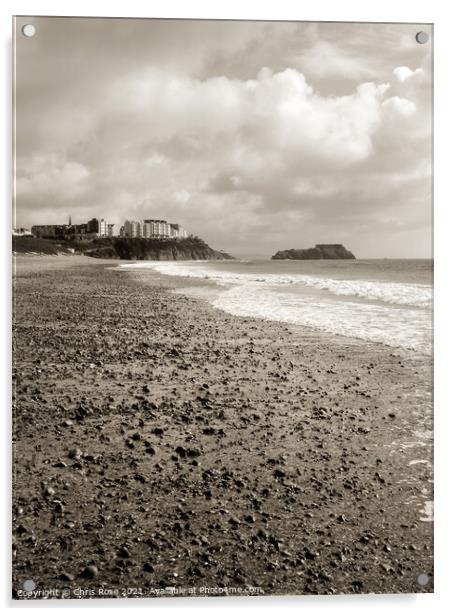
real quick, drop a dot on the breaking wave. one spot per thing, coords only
(392, 313)
(387, 292)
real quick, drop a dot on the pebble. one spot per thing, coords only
(192, 453)
(124, 552)
(123, 501)
(90, 572)
(58, 506)
(75, 453)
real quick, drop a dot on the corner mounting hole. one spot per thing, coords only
(28, 30)
(422, 37)
(422, 579)
(29, 585)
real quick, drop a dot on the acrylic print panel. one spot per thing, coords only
(222, 369)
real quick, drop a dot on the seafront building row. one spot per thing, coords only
(99, 227)
(152, 228)
(96, 227)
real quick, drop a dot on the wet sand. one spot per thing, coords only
(159, 442)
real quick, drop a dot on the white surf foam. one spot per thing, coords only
(405, 324)
(406, 328)
(388, 292)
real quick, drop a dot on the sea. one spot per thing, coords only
(387, 301)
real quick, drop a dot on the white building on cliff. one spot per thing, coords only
(152, 229)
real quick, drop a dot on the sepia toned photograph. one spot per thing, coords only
(222, 308)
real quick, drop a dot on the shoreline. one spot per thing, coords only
(179, 283)
(249, 452)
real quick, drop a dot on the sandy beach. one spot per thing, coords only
(159, 442)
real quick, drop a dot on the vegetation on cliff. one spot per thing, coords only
(135, 249)
(40, 246)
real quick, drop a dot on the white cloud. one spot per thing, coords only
(185, 124)
(273, 138)
(404, 72)
(402, 106)
(277, 113)
(326, 59)
(51, 177)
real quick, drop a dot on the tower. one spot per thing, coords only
(70, 221)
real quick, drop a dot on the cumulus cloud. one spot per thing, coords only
(277, 112)
(199, 123)
(400, 105)
(404, 72)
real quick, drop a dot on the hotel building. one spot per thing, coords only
(152, 228)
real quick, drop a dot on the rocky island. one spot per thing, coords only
(321, 251)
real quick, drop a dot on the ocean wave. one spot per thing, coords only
(379, 291)
(268, 296)
(405, 328)
(389, 292)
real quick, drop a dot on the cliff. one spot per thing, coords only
(140, 249)
(133, 249)
(321, 251)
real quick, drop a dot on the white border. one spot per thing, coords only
(415, 11)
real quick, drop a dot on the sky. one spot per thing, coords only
(255, 136)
